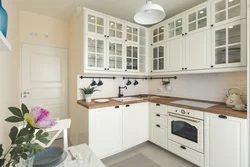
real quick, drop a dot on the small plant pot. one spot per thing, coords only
(88, 98)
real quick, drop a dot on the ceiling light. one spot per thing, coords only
(149, 14)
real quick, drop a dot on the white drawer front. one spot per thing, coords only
(159, 119)
(158, 134)
(186, 153)
(158, 108)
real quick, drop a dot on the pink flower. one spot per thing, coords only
(41, 117)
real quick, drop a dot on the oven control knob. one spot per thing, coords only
(188, 113)
(183, 111)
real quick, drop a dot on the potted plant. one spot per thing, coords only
(23, 147)
(88, 93)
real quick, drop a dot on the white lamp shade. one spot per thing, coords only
(149, 14)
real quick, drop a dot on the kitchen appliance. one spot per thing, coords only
(234, 97)
(186, 128)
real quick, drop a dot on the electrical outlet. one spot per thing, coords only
(159, 90)
(33, 34)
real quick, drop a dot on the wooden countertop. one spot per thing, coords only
(221, 108)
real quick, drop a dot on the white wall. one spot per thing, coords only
(9, 70)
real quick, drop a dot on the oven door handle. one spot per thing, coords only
(188, 119)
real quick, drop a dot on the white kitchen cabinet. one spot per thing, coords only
(143, 50)
(225, 141)
(132, 33)
(198, 49)
(105, 131)
(229, 45)
(115, 29)
(95, 23)
(159, 134)
(132, 58)
(226, 11)
(158, 57)
(158, 34)
(135, 124)
(115, 55)
(176, 27)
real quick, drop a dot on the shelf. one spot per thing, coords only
(4, 44)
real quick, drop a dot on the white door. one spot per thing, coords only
(44, 78)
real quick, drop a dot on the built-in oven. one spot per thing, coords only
(186, 128)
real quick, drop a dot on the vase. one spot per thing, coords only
(3, 20)
(88, 98)
(26, 163)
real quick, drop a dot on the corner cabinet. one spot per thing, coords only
(225, 141)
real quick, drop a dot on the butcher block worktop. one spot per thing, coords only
(220, 108)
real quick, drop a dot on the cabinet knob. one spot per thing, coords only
(183, 147)
(212, 66)
(157, 104)
(158, 115)
(127, 105)
(158, 126)
(105, 35)
(182, 68)
(108, 36)
(126, 40)
(105, 68)
(126, 70)
(212, 25)
(151, 44)
(117, 107)
(223, 116)
(151, 71)
(185, 68)
(183, 34)
(186, 33)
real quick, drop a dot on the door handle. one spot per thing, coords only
(127, 105)
(158, 126)
(158, 115)
(183, 147)
(223, 116)
(26, 93)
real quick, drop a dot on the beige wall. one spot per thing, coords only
(9, 70)
(57, 30)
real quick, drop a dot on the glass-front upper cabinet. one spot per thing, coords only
(229, 44)
(95, 52)
(115, 29)
(96, 23)
(143, 49)
(132, 33)
(176, 27)
(198, 19)
(225, 11)
(158, 34)
(115, 55)
(132, 58)
(158, 58)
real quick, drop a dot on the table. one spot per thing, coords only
(94, 161)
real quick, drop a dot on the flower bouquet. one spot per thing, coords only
(23, 145)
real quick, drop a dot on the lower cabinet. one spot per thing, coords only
(225, 141)
(159, 133)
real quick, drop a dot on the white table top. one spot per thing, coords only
(94, 161)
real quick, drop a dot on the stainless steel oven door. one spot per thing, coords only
(186, 131)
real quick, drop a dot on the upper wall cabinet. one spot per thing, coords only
(132, 58)
(115, 55)
(198, 18)
(225, 11)
(158, 58)
(115, 29)
(132, 33)
(175, 27)
(96, 23)
(158, 34)
(143, 42)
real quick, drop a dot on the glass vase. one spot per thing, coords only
(26, 163)
(3, 20)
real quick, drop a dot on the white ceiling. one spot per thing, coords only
(124, 9)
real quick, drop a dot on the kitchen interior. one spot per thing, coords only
(151, 83)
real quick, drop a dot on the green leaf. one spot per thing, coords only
(20, 140)
(23, 132)
(2, 162)
(25, 109)
(24, 156)
(13, 134)
(45, 134)
(14, 119)
(1, 150)
(39, 133)
(16, 111)
(43, 140)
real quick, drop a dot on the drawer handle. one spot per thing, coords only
(127, 105)
(223, 116)
(183, 147)
(157, 104)
(158, 115)
(158, 126)
(117, 107)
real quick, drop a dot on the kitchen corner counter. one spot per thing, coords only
(220, 108)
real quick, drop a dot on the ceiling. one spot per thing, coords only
(124, 9)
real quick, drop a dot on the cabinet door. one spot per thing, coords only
(198, 48)
(175, 54)
(198, 18)
(132, 33)
(135, 124)
(105, 131)
(158, 58)
(158, 134)
(158, 34)
(225, 141)
(143, 49)
(176, 27)
(229, 45)
(115, 29)
(115, 55)
(225, 11)
(95, 52)
(96, 23)
(132, 58)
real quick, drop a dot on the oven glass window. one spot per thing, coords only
(185, 130)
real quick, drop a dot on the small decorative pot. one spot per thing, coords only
(26, 163)
(88, 98)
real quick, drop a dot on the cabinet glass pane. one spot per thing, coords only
(112, 48)
(119, 49)
(135, 31)
(129, 37)
(100, 46)
(129, 29)
(142, 32)
(192, 17)
(161, 37)
(202, 13)
(129, 63)
(118, 34)
(111, 33)
(100, 30)
(100, 21)
(161, 29)
(220, 17)
(233, 3)
(135, 64)
(221, 5)
(171, 34)
(234, 34)
(135, 52)
(91, 28)
(220, 37)
(91, 60)
(142, 50)
(155, 64)
(155, 32)
(220, 55)
(129, 51)
(111, 61)
(161, 64)
(171, 26)
(135, 38)
(234, 54)
(202, 23)
(142, 41)
(100, 60)
(142, 68)
(119, 62)
(91, 45)
(155, 53)
(192, 27)
(234, 12)
(178, 31)
(112, 24)
(155, 39)
(178, 23)
(119, 26)
(161, 51)
(91, 19)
